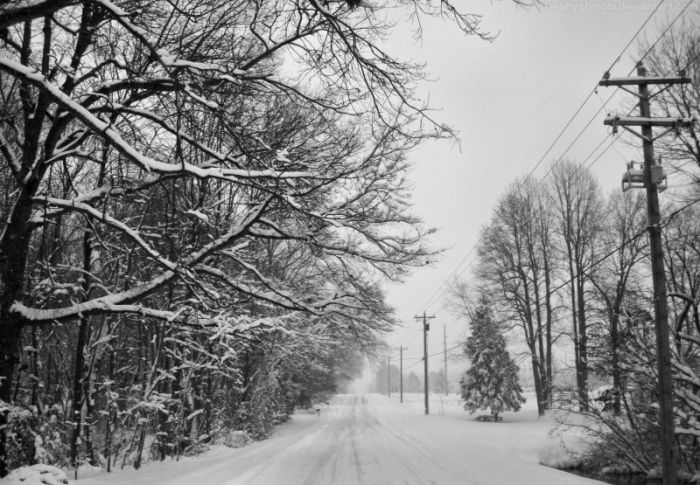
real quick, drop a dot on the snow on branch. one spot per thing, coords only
(110, 221)
(115, 303)
(107, 131)
(278, 298)
(120, 302)
(687, 431)
(13, 161)
(234, 232)
(218, 157)
(87, 197)
(14, 12)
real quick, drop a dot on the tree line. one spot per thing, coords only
(389, 379)
(567, 272)
(199, 203)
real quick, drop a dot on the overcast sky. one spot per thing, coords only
(508, 100)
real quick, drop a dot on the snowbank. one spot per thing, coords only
(35, 475)
(373, 439)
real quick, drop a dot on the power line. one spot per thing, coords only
(455, 275)
(600, 155)
(646, 53)
(449, 349)
(578, 136)
(592, 265)
(446, 281)
(457, 272)
(658, 39)
(558, 137)
(582, 166)
(593, 91)
(600, 260)
(668, 28)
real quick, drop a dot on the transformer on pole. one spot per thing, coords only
(652, 178)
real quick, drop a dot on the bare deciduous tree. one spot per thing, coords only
(515, 264)
(614, 279)
(154, 152)
(579, 212)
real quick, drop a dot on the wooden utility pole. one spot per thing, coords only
(401, 373)
(444, 351)
(651, 178)
(388, 376)
(426, 327)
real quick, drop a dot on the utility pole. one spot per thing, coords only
(388, 376)
(401, 373)
(426, 327)
(650, 179)
(444, 351)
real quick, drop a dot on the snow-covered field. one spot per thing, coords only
(370, 439)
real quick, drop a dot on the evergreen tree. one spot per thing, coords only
(492, 380)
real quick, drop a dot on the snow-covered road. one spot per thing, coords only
(372, 440)
(354, 443)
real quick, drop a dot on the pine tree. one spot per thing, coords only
(492, 380)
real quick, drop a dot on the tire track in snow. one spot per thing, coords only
(333, 440)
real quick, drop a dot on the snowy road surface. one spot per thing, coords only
(372, 440)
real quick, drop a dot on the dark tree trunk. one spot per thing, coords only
(615, 361)
(139, 448)
(583, 344)
(548, 337)
(539, 388)
(110, 414)
(79, 374)
(14, 249)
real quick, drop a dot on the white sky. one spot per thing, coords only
(508, 100)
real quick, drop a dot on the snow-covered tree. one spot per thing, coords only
(190, 188)
(516, 268)
(491, 382)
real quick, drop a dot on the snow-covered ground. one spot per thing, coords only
(370, 439)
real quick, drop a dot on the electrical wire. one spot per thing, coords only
(456, 272)
(658, 39)
(594, 90)
(446, 282)
(434, 355)
(580, 170)
(668, 28)
(667, 220)
(578, 136)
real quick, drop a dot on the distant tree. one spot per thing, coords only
(438, 383)
(461, 298)
(413, 383)
(492, 380)
(383, 379)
